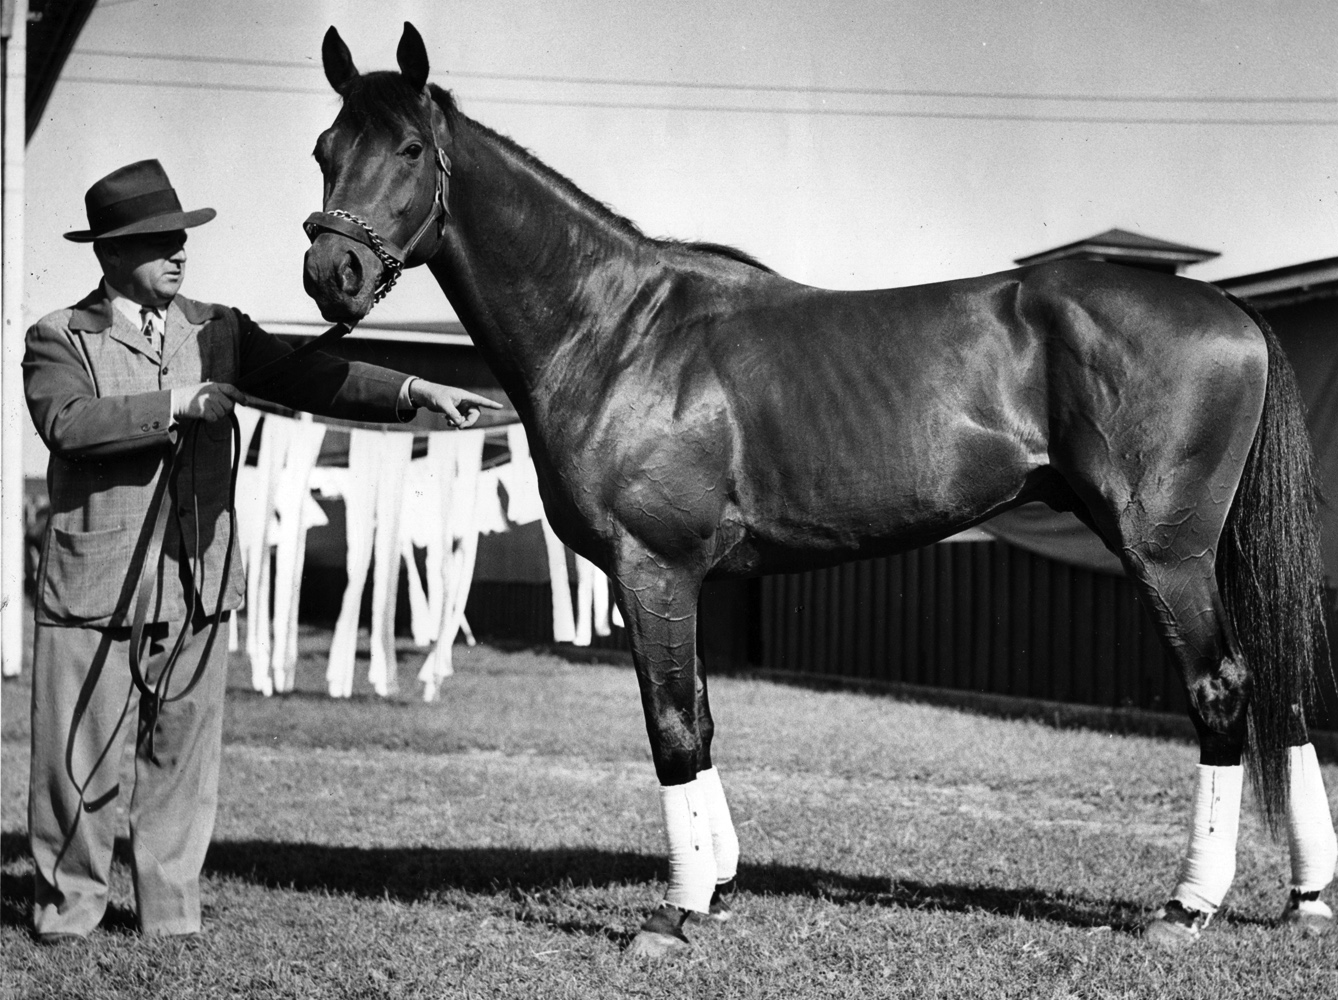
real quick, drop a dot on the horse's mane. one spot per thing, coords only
(379, 101)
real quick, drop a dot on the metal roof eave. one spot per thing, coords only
(1316, 279)
(1096, 251)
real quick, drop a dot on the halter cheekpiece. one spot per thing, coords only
(392, 257)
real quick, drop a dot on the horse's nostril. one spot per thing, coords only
(350, 274)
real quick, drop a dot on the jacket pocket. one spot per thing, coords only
(85, 573)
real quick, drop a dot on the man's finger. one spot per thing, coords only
(477, 400)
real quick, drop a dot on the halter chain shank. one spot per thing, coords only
(392, 258)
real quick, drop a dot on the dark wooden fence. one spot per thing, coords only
(979, 616)
(980, 623)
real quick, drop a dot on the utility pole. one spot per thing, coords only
(14, 50)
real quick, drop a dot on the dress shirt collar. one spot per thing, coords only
(127, 306)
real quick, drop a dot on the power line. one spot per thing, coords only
(194, 85)
(741, 109)
(757, 87)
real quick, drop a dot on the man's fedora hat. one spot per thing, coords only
(133, 200)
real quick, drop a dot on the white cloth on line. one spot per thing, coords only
(247, 421)
(295, 512)
(255, 510)
(457, 459)
(522, 470)
(592, 602)
(373, 491)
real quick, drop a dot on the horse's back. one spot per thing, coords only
(875, 421)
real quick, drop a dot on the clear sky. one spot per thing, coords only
(848, 144)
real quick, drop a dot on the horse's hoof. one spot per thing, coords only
(1308, 913)
(1175, 926)
(657, 945)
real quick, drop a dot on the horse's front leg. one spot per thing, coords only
(659, 605)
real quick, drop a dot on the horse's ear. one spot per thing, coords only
(339, 68)
(412, 57)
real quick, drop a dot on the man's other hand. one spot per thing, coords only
(461, 408)
(207, 401)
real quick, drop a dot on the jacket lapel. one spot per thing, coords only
(94, 314)
(124, 331)
(183, 326)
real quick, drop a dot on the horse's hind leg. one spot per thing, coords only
(1182, 594)
(1167, 541)
(1172, 561)
(1314, 848)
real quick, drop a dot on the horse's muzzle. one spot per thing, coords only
(339, 279)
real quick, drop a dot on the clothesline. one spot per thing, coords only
(424, 422)
(394, 503)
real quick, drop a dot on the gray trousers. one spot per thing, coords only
(85, 710)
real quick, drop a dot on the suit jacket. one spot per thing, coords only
(100, 397)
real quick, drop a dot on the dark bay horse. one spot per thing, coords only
(694, 415)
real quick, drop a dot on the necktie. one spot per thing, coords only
(152, 324)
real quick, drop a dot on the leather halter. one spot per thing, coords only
(393, 258)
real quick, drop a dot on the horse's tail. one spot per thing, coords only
(1270, 576)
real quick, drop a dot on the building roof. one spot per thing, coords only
(1284, 286)
(52, 29)
(1120, 246)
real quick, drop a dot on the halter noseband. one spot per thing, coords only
(392, 258)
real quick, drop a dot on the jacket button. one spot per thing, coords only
(165, 369)
(156, 424)
(143, 427)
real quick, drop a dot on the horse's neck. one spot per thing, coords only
(537, 273)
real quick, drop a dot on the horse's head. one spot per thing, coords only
(386, 180)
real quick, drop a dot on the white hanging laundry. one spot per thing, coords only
(255, 515)
(247, 420)
(396, 448)
(564, 623)
(459, 546)
(523, 503)
(292, 508)
(420, 528)
(373, 488)
(521, 509)
(592, 601)
(359, 492)
(439, 477)
(488, 513)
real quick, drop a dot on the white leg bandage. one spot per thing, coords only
(691, 857)
(1314, 847)
(724, 841)
(1210, 864)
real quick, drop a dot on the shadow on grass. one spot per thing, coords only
(413, 874)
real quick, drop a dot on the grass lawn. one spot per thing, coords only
(507, 843)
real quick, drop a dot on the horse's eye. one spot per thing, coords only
(413, 151)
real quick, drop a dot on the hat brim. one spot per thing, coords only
(168, 223)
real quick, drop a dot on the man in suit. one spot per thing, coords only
(113, 384)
